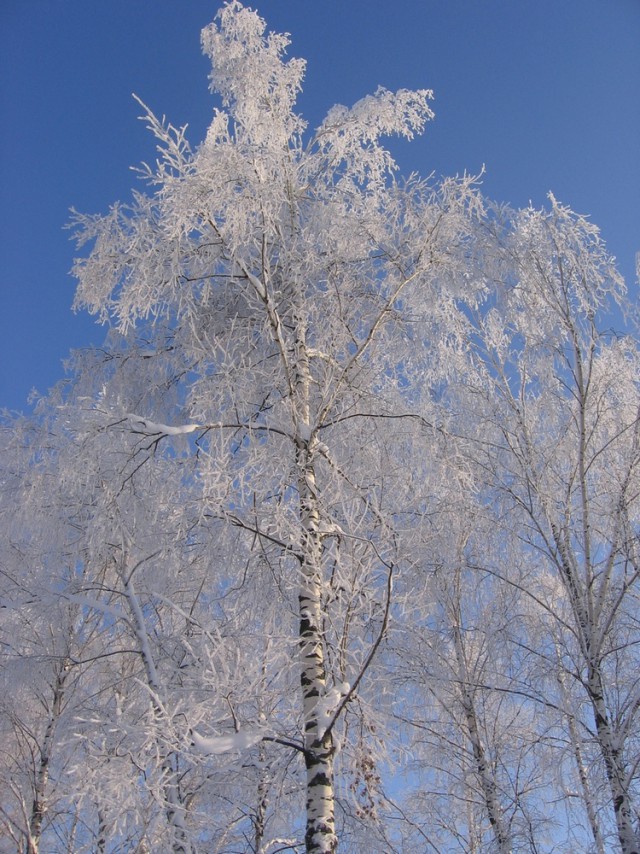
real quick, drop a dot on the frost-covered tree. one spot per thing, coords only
(475, 746)
(47, 641)
(334, 542)
(277, 278)
(555, 398)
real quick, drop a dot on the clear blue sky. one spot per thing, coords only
(544, 93)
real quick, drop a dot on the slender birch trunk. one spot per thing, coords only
(610, 746)
(101, 842)
(261, 809)
(39, 805)
(580, 766)
(485, 776)
(320, 837)
(174, 807)
(262, 795)
(584, 783)
(611, 750)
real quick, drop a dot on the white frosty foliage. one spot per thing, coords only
(351, 136)
(386, 442)
(249, 74)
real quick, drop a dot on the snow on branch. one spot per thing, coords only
(218, 744)
(327, 706)
(155, 428)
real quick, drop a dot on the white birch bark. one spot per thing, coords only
(320, 836)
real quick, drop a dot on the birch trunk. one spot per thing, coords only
(174, 808)
(101, 842)
(39, 805)
(320, 836)
(580, 765)
(614, 765)
(264, 782)
(584, 783)
(610, 745)
(261, 810)
(485, 776)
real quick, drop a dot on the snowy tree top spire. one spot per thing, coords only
(249, 73)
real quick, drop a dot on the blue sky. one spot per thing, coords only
(544, 93)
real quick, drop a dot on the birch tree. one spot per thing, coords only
(46, 641)
(477, 740)
(558, 403)
(281, 266)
